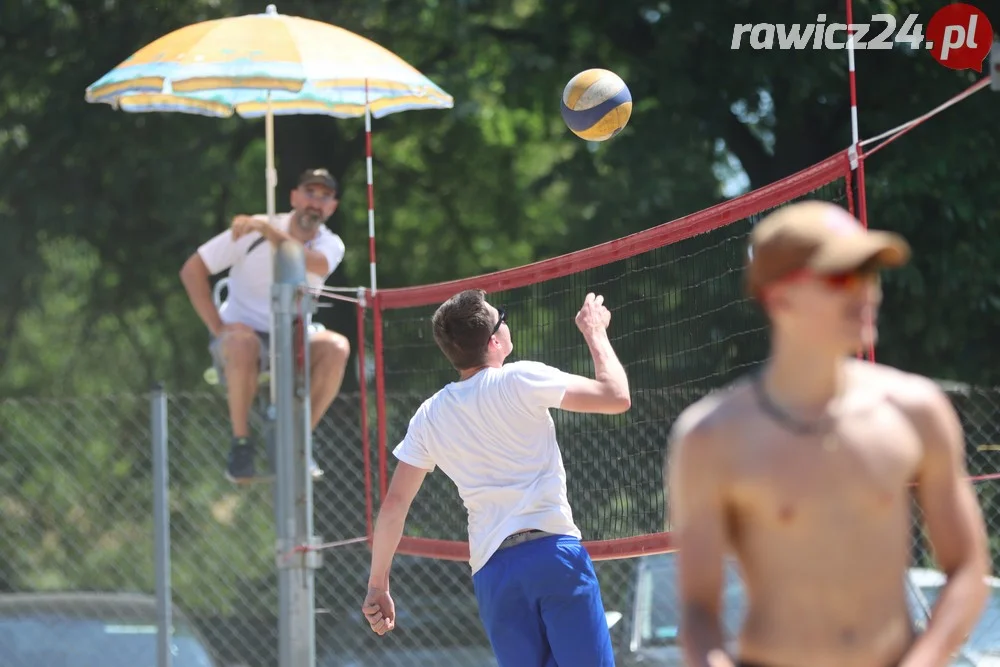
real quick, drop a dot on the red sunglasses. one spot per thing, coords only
(846, 280)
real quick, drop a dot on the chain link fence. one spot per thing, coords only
(76, 501)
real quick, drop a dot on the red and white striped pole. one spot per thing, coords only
(856, 151)
(376, 308)
(857, 155)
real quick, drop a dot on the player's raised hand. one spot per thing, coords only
(593, 316)
(379, 610)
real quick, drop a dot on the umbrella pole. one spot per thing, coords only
(282, 416)
(271, 176)
(271, 182)
(371, 189)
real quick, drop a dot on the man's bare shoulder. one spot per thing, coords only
(709, 416)
(908, 391)
(920, 398)
(702, 436)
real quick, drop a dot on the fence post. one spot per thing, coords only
(161, 523)
(293, 482)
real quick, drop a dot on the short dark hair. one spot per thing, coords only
(462, 328)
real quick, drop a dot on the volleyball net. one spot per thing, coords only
(680, 324)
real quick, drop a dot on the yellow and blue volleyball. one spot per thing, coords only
(596, 104)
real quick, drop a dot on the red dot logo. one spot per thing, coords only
(959, 36)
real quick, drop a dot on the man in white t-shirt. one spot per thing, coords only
(240, 329)
(491, 433)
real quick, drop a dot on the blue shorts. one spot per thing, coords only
(540, 603)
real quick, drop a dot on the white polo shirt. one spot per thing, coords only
(493, 436)
(251, 270)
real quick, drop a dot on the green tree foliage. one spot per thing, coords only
(496, 182)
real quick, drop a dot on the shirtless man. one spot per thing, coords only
(803, 471)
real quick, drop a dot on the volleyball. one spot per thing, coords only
(596, 104)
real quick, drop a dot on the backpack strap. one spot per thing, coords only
(255, 244)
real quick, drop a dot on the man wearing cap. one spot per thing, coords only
(803, 472)
(240, 329)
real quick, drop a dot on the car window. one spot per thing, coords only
(59, 641)
(657, 602)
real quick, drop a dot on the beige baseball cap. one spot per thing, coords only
(819, 237)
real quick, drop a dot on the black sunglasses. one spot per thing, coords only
(500, 320)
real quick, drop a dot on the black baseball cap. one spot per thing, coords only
(318, 177)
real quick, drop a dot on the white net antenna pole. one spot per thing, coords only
(371, 188)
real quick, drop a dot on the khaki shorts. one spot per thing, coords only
(215, 349)
(264, 361)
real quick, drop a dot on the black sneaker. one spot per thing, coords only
(240, 467)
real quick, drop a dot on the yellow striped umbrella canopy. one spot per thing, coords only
(250, 64)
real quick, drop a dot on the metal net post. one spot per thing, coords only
(296, 561)
(161, 524)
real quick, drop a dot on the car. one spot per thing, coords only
(73, 629)
(647, 632)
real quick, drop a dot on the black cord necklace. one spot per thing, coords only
(786, 420)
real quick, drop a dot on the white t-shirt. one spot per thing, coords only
(493, 436)
(251, 270)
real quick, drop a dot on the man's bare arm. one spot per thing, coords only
(195, 277)
(697, 518)
(406, 481)
(955, 525)
(608, 392)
